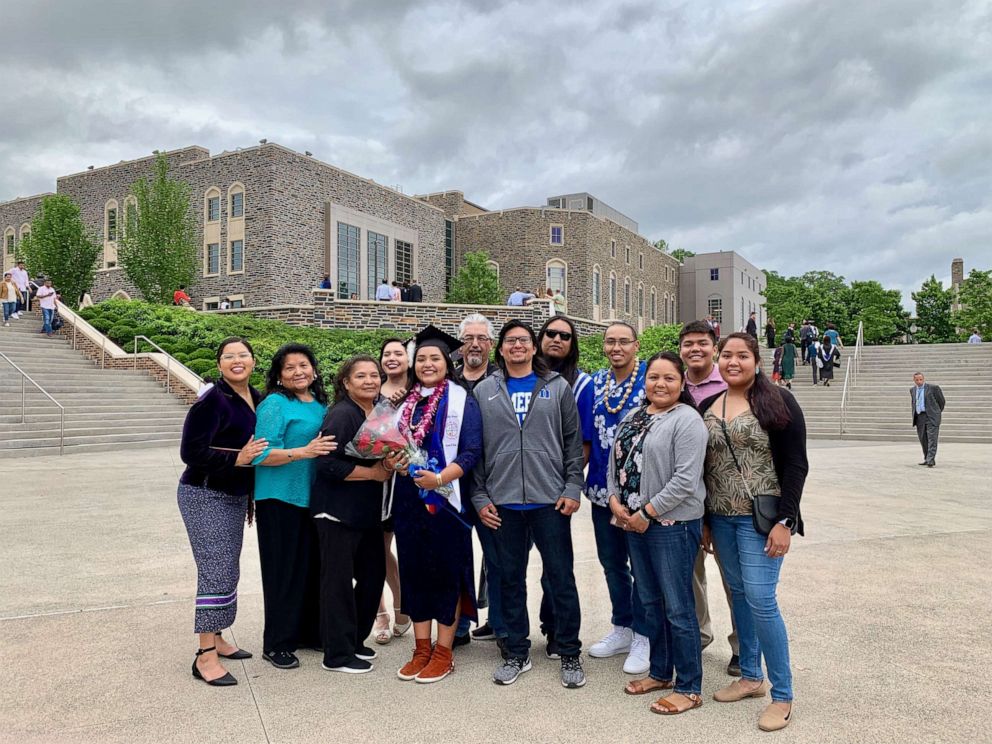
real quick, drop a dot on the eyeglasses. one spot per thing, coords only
(481, 338)
(241, 357)
(624, 342)
(517, 341)
(563, 335)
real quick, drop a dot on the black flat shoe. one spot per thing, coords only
(237, 655)
(228, 680)
(281, 659)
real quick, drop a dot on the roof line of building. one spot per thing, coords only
(585, 212)
(454, 191)
(133, 160)
(26, 198)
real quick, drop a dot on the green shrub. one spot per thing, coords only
(653, 339)
(203, 366)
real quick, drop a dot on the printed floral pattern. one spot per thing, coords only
(725, 492)
(606, 429)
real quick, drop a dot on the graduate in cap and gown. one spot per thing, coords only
(433, 536)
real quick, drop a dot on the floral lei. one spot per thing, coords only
(419, 432)
(611, 382)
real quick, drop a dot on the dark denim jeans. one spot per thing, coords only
(46, 317)
(552, 533)
(614, 557)
(753, 578)
(9, 308)
(663, 558)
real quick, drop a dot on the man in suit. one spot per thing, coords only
(928, 403)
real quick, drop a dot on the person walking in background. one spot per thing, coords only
(790, 333)
(928, 405)
(616, 390)
(657, 496)
(807, 336)
(788, 361)
(19, 274)
(826, 355)
(10, 296)
(777, 366)
(348, 506)
(47, 297)
(756, 449)
(179, 297)
(697, 349)
(416, 292)
(384, 293)
(527, 486)
(218, 446)
(751, 329)
(289, 419)
(975, 337)
(770, 333)
(814, 350)
(835, 339)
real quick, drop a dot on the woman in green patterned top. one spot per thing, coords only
(761, 426)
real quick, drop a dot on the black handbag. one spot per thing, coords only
(764, 506)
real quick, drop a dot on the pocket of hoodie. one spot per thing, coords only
(504, 472)
(539, 468)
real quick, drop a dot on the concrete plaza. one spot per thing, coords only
(887, 601)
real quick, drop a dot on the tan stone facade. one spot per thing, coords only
(15, 223)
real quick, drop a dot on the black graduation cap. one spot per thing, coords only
(433, 336)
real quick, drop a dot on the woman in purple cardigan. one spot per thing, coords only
(218, 446)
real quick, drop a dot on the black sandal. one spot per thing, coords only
(227, 680)
(238, 655)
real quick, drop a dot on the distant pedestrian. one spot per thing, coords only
(788, 361)
(405, 292)
(975, 337)
(384, 293)
(807, 337)
(10, 296)
(557, 302)
(396, 293)
(47, 297)
(20, 276)
(770, 333)
(751, 329)
(416, 292)
(777, 366)
(834, 335)
(928, 405)
(218, 446)
(325, 283)
(519, 298)
(179, 297)
(225, 304)
(790, 333)
(826, 355)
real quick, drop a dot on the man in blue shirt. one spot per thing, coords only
(519, 298)
(928, 405)
(616, 390)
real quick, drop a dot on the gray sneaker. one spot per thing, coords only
(572, 675)
(510, 669)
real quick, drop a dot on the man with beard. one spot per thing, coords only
(476, 333)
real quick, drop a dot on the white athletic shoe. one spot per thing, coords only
(639, 659)
(617, 642)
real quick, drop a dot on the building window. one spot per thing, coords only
(671, 303)
(714, 307)
(237, 204)
(449, 252)
(626, 296)
(557, 235)
(613, 249)
(213, 208)
(640, 300)
(9, 241)
(235, 302)
(237, 257)
(376, 260)
(654, 305)
(714, 275)
(640, 261)
(348, 261)
(213, 303)
(626, 254)
(613, 292)
(404, 260)
(596, 289)
(213, 259)
(557, 276)
(112, 223)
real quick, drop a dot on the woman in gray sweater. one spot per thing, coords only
(657, 496)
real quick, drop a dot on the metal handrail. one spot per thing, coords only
(851, 375)
(27, 377)
(168, 360)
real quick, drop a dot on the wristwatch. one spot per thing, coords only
(789, 523)
(643, 511)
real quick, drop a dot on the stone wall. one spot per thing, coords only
(297, 315)
(14, 215)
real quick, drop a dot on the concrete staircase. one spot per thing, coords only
(104, 409)
(879, 407)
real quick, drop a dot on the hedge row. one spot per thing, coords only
(193, 337)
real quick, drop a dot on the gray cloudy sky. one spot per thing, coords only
(852, 137)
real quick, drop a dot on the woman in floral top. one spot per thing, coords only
(656, 496)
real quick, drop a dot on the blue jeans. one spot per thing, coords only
(8, 310)
(552, 533)
(663, 558)
(614, 557)
(487, 539)
(46, 317)
(753, 578)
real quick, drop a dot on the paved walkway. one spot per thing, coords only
(887, 601)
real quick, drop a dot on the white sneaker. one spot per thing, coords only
(639, 659)
(16, 316)
(617, 642)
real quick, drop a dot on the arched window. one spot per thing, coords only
(25, 231)
(236, 201)
(130, 214)
(8, 240)
(613, 293)
(110, 226)
(556, 272)
(494, 266)
(654, 305)
(597, 290)
(211, 205)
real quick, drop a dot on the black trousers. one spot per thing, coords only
(352, 571)
(287, 552)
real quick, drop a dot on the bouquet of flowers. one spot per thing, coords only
(383, 434)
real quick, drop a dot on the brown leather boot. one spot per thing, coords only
(442, 664)
(421, 658)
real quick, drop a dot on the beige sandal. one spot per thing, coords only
(381, 634)
(640, 686)
(665, 707)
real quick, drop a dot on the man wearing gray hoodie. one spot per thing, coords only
(529, 483)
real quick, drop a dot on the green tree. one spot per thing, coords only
(975, 297)
(158, 246)
(879, 309)
(933, 312)
(679, 254)
(61, 247)
(787, 300)
(476, 282)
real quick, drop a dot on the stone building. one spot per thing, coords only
(957, 277)
(270, 223)
(604, 268)
(725, 285)
(15, 221)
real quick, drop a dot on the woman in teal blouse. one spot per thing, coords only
(290, 417)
